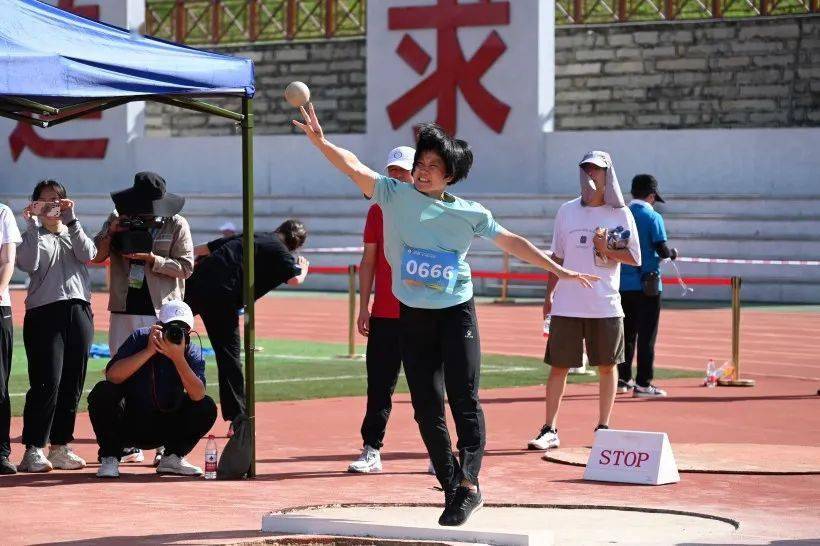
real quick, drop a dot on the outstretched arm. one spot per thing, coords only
(344, 160)
(524, 250)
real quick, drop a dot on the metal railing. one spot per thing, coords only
(574, 12)
(215, 22)
(247, 21)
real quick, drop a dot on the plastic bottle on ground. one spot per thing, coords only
(711, 373)
(210, 458)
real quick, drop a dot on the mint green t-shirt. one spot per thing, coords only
(428, 238)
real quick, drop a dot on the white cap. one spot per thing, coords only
(403, 157)
(596, 157)
(227, 226)
(176, 310)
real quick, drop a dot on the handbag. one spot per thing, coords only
(235, 462)
(651, 283)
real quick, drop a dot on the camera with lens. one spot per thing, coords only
(173, 332)
(137, 235)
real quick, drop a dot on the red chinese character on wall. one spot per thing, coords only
(24, 136)
(453, 71)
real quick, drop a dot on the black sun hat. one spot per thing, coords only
(147, 196)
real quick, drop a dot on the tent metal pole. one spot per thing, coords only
(25, 119)
(248, 266)
(41, 108)
(198, 106)
(96, 107)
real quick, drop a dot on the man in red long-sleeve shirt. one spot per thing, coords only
(381, 324)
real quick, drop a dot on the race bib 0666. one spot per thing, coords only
(435, 269)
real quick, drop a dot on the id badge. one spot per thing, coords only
(136, 275)
(436, 269)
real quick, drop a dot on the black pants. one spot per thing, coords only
(57, 337)
(222, 324)
(6, 344)
(117, 427)
(383, 366)
(641, 316)
(444, 343)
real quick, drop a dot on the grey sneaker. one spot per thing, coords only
(369, 461)
(109, 468)
(64, 458)
(34, 460)
(650, 391)
(174, 464)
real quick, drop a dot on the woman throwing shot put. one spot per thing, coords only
(427, 235)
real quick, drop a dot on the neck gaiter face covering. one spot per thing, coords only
(612, 192)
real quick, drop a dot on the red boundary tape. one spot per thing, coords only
(543, 277)
(698, 281)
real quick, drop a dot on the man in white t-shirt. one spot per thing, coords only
(9, 238)
(593, 233)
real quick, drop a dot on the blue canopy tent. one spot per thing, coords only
(56, 66)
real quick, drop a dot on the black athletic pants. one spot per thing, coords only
(444, 343)
(117, 427)
(6, 344)
(221, 321)
(383, 366)
(641, 316)
(57, 337)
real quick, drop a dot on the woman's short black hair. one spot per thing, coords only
(293, 232)
(43, 184)
(456, 153)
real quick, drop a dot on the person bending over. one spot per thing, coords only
(215, 292)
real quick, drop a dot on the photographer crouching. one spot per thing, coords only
(151, 252)
(154, 395)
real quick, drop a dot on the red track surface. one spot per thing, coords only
(305, 446)
(773, 343)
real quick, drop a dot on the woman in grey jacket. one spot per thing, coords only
(58, 327)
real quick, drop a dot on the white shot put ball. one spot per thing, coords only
(297, 94)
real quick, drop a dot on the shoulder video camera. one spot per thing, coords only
(137, 237)
(174, 333)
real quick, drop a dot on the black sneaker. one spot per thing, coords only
(625, 386)
(6, 466)
(464, 503)
(601, 427)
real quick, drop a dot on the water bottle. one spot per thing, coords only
(547, 326)
(210, 458)
(711, 373)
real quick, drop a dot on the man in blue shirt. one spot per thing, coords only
(641, 290)
(154, 395)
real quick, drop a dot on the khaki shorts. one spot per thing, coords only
(604, 341)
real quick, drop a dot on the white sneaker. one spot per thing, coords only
(34, 460)
(109, 468)
(64, 458)
(174, 464)
(547, 438)
(648, 392)
(132, 455)
(369, 461)
(625, 386)
(160, 452)
(430, 468)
